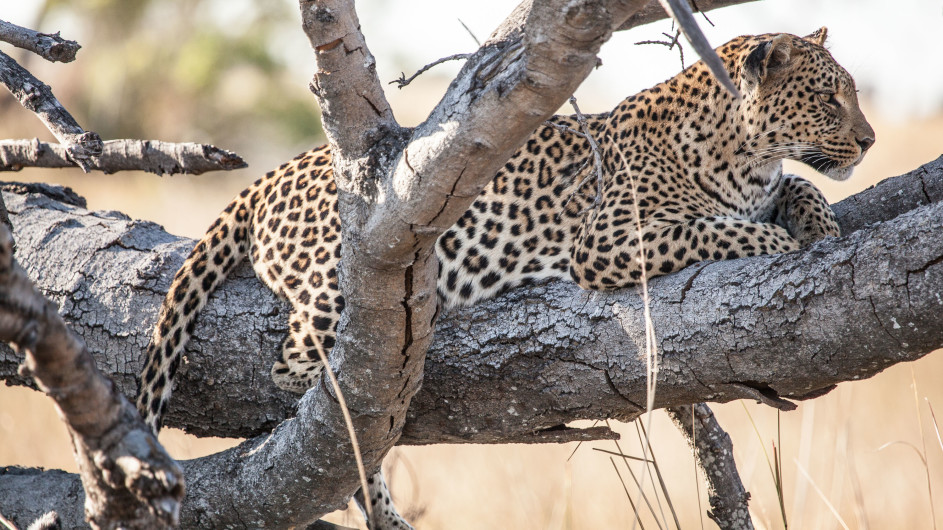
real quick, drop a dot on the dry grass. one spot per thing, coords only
(835, 438)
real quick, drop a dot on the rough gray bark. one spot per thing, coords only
(51, 47)
(516, 368)
(128, 478)
(153, 156)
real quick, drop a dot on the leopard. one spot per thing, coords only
(681, 173)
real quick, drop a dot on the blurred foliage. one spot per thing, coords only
(188, 70)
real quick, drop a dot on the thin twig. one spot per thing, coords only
(670, 43)
(49, 46)
(153, 156)
(36, 96)
(474, 38)
(597, 157)
(403, 80)
(696, 9)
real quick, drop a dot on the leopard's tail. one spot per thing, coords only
(221, 249)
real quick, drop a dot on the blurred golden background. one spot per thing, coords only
(235, 73)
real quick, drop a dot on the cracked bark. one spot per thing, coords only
(517, 368)
(153, 156)
(128, 479)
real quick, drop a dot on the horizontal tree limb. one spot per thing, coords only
(37, 97)
(520, 366)
(49, 46)
(121, 269)
(153, 156)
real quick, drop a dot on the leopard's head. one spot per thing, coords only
(800, 104)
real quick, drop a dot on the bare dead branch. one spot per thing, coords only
(130, 481)
(152, 156)
(654, 12)
(713, 452)
(49, 46)
(403, 80)
(671, 43)
(36, 96)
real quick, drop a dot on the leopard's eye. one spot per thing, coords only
(829, 98)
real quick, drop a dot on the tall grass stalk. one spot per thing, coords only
(627, 495)
(775, 472)
(651, 350)
(350, 428)
(923, 442)
(821, 494)
(697, 481)
(661, 479)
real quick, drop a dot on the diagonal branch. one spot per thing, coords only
(713, 452)
(38, 98)
(49, 46)
(129, 479)
(153, 156)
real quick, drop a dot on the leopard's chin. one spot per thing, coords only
(828, 167)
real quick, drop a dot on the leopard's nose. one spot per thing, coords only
(865, 143)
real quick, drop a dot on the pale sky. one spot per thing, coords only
(893, 49)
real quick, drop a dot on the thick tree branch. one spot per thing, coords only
(549, 329)
(653, 11)
(51, 47)
(518, 367)
(512, 369)
(713, 451)
(153, 156)
(129, 480)
(38, 97)
(386, 174)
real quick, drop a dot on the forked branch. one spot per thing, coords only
(36, 96)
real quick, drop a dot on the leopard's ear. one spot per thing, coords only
(818, 36)
(768, 59)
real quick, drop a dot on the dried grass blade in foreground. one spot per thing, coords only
(129, 480)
